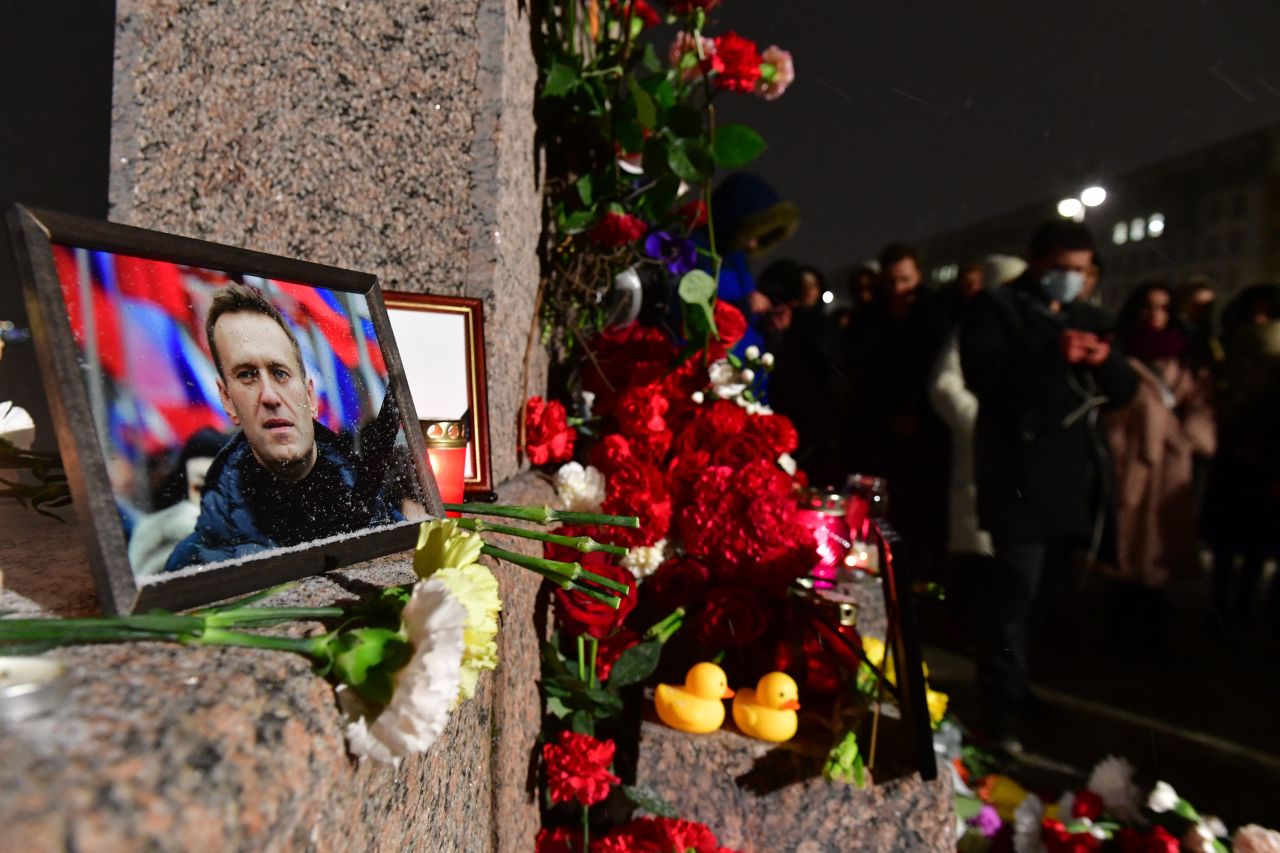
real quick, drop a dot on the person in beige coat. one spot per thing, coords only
(1154, 441)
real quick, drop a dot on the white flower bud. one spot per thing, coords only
(752, 352)
(748, 375)
(697, 397)
(1163, 798)
(767, 359)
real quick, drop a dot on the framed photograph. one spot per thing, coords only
(442, 347)
(228, 419)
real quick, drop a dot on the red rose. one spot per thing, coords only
(638, 489)
(1087, 804)
(618, 229)
(565, 554)
(640, 417)
(612, 453)
(776, 432)
(684, 7)
(610, 649)
(547, 434)
(730, 326)
(741, 60)
(731, 617)
(578, 768)
(577, 613)
(558, 840)
(678, 583)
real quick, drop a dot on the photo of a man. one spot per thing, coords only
(284, 478)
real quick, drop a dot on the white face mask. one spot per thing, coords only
(1062, 285)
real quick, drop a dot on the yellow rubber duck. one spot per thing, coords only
(769, 711)
(697, 707)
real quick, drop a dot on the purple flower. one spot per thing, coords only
(679, 254)
(987, 821)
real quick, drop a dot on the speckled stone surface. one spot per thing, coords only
(760, 797)
(396, 138)
(162, 747)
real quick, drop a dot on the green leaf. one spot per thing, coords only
(684, 120)
(646, 110)
(560, 80)
(656, 157)
(581, 723)
(630, 135)
(697, 293)
(649, 59)
(585, 189)
(690, 159)
(737, 145)
(579, 221)
(656, 201)
(648, 799)
(557, 708)
(366, 659)
(635, 664)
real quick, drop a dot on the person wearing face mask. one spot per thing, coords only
(1155, 441)
(1043, 370)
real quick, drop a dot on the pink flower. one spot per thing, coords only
(771, 86)
(686, 44)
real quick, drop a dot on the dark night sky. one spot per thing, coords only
(911, 118)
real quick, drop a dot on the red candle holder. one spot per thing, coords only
(447, 450)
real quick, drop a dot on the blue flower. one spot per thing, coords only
(679, 254)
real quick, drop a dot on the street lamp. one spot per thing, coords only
(1071, 208)
(1093, 196)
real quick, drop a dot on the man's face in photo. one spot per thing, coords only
(265, 392)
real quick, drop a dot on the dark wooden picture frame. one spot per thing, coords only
(480, 482)
(34, 233)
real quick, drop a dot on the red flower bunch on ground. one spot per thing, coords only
(660, 835)
(547, 434)
(1158, 840)
(578, 768)
(1057, 839)
(639, 9)
(558, 840)
(638, 488)
(618, 229)
(579, 614)
(741, 60)
(641, 410)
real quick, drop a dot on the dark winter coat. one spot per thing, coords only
(1040, 456)
(246, 509)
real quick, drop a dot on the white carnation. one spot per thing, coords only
(1112, 781)
(726, 383)
(786, 463)
(580, 489)
(1163, 798)
(643, 560)
(425, 689)
(1027, 819)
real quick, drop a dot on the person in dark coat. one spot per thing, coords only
(1042, 367)
(284, 479)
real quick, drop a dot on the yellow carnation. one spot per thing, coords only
(475, 587)
(1003, 794)
(442, 543)
(937, 703)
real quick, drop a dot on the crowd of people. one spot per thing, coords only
(1027, 435)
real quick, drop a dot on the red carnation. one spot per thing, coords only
(730, 326)
(776, 431)
(639, 9)
(638, 489)
(1058, 839)
(577, 613)
(660, 835)
(684, 7)
(612, 453)
(547, 434)
(618, 229)
(1087, 804)
(732, 617)
(611, 648)
(558, 840)
(632, 355)
(640, 417)
(679, 583)
(741, 60)
(578, 768)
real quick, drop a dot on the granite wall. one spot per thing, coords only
(391, 137)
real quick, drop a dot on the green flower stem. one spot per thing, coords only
(586, 828)
(593, 646)
(662, 631)
(68, 630)
(311, 647)
(268, 615)
(585, 544)
(564, 575)
(544, 514)
(582, 659)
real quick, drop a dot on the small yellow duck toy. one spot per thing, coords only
(769, 711)
(696, 707)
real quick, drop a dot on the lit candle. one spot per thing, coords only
(447, 449)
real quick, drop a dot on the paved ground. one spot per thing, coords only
(1202, 714)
